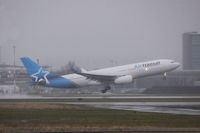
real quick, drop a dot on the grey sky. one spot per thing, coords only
(93, 33)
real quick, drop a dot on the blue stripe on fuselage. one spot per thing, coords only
(61, 82)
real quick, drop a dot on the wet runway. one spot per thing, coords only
(182, 105)
(171, 108)
(123, 96)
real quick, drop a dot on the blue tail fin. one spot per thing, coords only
(36, 72)
(43, 77)
(31, 67)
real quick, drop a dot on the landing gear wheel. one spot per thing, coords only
(106, 89)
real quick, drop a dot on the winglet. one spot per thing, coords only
(78, 70)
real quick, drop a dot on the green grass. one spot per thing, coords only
(62, 117)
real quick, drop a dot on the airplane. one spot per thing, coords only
(107, 76)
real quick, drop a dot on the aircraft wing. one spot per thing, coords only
(100, 78)
(96, 77)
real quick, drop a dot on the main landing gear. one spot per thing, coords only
(106, 89)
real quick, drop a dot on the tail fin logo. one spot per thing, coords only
(40, 75)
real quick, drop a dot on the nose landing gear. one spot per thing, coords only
(165, 76)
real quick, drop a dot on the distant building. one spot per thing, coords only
(9, 72)
(191, 51)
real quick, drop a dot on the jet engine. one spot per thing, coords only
(124, 79)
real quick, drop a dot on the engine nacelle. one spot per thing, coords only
(124, 79)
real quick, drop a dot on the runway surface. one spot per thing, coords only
(182, 105)
(19, 96)
(172, 108)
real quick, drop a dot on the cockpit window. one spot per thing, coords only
(172, 61)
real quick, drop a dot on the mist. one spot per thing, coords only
(95, 33)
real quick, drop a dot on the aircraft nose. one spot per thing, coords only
(176, 64)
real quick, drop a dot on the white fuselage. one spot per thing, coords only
(137, 70)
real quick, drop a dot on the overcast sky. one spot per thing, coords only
(96, 33)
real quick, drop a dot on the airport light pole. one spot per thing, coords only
(14, 76)
(0, 56)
